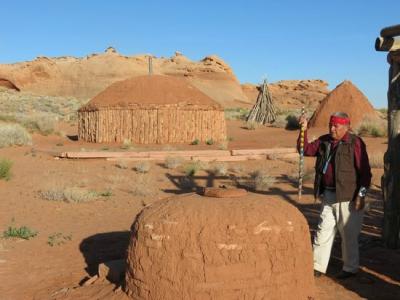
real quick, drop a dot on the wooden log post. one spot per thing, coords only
(391, 178)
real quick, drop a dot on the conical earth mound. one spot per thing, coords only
(346, 97)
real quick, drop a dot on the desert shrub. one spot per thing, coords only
(219, 169)
(251, 125)
(126, 144)
(173, 162)
(292, 122)
(236, 168)
(142, 187)
(193, 167)
(236, 113)
(223, 145)
(41, 123)
(68, 194)
(376, 160)
(371, 127)
(57, 239)
(22, 232)
(210, 142)
(261, 181)
(195, 142)
(122, 165)
(13, 134)
(5, 168)
(142, 167)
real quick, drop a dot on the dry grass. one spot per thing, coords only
(372, 127)
(143, 186)
(173, 162)
(14, 134)
(5, 169)
(194, 167)
(236, 169)
(122, 165)
(261, 181)
(251, 125)
(219, 169)
(376, 160)
(236, 113)
(142, 167)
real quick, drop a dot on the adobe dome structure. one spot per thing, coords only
(346, 97)
(196, 247)
(151, 109)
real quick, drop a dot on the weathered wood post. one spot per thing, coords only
(391, 178)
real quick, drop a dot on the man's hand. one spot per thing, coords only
(359, 203)
(303, 122)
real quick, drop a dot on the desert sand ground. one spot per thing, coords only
(73, 238)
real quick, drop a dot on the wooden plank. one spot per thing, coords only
(98, 154)
(282, 156)
(229, 158)
(263, 151)
(387, 44)
(391, 31)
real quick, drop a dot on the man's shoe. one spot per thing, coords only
(317, 273)
(344, 275)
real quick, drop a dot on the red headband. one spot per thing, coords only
(339, 120)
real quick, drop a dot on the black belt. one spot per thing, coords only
(330, 188)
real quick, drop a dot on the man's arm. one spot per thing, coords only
(361, 162)
(363, 170)
(310, 149)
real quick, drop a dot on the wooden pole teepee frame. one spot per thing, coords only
(264, 110)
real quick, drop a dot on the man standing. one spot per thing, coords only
(342, 177)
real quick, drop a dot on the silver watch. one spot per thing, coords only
(362, 191)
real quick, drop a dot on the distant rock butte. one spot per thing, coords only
(85, 77)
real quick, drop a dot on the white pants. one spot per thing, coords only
(337, 216)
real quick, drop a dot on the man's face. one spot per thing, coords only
(337, 131)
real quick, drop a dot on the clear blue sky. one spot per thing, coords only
(329, 40)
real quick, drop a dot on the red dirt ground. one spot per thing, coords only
(99, 230)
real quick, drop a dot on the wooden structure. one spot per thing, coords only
(391, 178)
(151, 109)
(264, 110)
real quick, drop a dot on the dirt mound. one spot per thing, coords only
(289, 94)
(194, 247)
(84, 78)
(154, 89)
(346, 97)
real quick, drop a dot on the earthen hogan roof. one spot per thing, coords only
(151, 90)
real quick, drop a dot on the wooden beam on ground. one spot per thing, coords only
(391, 31)
(152, 154)
(263, 151)
(274, 156)
(229, 158)
(387, 44)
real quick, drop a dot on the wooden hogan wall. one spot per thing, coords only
(160, 125)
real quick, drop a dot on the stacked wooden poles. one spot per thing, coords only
(264, 110)
(389, 41)
(301, 160)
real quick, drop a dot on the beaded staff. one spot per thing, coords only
(301, 160)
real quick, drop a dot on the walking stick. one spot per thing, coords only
(301, 160)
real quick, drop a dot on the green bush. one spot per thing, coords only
(22, 232)
(13, 134)
(5, 168)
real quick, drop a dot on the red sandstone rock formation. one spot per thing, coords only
(86, 77)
